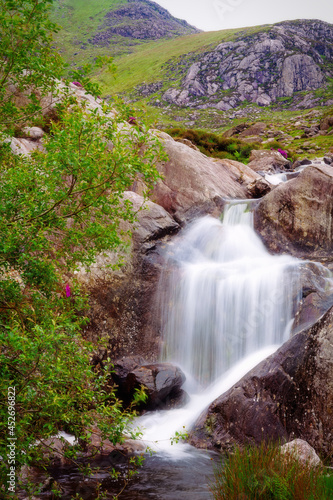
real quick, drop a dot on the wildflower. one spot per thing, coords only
(132, 120)
(68, 291)
(283, 153)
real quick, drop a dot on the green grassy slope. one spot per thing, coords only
(148, 63)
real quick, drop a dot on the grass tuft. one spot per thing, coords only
(264, 473)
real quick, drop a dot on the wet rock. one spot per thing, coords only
(161, 381)
(301, 163)
(296, 217)
(259, 188)
(289, 395)
(123, 366)
(268, 161)
(122, 299)
(317, 295)
(328, 160)
(302, 451)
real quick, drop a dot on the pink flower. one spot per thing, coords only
(132, 120)
(77, 84)
(68, 291)
(283, 153)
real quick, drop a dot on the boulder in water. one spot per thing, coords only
(161, 382)
(263, 160)
(296, 217)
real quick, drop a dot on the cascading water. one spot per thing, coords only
(226, 305)
(228, 297)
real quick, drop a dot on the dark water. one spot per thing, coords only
(160, 478)
(166, 479)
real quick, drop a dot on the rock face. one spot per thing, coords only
(140, 20)
(287, 396)
(194, 184)
(121, 300)
(296, 217)
(262, 67)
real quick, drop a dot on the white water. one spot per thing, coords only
(227, 296)
(228, 305)
(276, 179)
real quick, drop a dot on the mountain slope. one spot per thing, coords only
(281, 61)
(290, 63)
(116, 26)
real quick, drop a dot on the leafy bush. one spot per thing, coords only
(58, 209)
(264, 473)
(215, 145)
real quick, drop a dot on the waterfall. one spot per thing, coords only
(226, 305)
(226, 296)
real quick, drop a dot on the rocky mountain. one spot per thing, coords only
(141, 20)
(112, 26)
(289, 60)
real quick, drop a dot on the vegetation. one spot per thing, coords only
(264, 473)
(215, 145)
(58, 209)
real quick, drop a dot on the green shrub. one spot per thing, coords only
(263, 473)
(215, 145)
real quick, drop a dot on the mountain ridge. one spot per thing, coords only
(279, 62)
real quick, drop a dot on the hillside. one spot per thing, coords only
(208, 80)
(115, 26)
(287, 63)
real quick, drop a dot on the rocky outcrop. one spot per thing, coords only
(140, 20)
(287, 396)
(296, 217)
(121, 299)
(194, 184)
(263, 67)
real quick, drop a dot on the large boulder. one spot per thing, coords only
(296, 217)
(289, 395)
(194, 184)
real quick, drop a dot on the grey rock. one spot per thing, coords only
(283, 61)
(302, 451)
(162, 382)
(296, 217)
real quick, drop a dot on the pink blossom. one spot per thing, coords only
(132, 120)
(68, 291)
